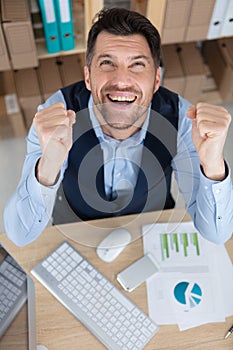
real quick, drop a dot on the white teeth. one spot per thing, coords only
(122, 98)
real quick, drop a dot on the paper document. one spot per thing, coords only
(195, 284)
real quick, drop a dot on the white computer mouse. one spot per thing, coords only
(113, 244)
(41, 347)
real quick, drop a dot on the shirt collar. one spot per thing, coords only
(137, 138)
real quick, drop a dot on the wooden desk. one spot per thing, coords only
(58, 329)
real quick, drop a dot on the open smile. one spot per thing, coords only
(122, 98)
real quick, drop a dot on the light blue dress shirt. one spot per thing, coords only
(121, 158)
(210, 203)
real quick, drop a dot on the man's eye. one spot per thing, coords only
(107, 65)
(105, 62)
(138, 66)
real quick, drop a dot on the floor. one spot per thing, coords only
(12, 153)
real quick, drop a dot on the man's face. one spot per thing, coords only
(122, 78)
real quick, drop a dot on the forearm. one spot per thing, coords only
(212, 209)
(22, 224)
(28, 211)
(209, 202)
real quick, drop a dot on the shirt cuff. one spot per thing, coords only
(44, 195)
(227, 170)
(218, 189)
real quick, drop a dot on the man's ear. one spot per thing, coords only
(87, 77)
(157, 79)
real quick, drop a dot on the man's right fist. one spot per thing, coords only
(54, 128)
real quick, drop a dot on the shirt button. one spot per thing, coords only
(206, 187)
(219, 218)
(218, 191)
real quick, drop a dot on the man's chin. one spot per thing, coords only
(124, 119)
(119, 126)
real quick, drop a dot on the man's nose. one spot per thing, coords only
(122, 77)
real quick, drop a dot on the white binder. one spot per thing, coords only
(218, 18)
(227, 28)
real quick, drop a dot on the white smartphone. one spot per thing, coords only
(138, 272)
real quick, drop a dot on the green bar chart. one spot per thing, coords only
(179, 244)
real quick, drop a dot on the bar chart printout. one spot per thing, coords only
(190, 289)
(179, 245)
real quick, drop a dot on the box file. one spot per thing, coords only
(15, 10)
(29, 108)
(49, 77)
(11, 117)
(226, 47)
(194, 70)
(4, 58)
(17, 123)
(71, 69)
(27, 82)
(199, 21)
(6, 130)
(219, 57)
(21, 44)
(174, 78)
(7, 85)
(65, 23)
(209, 91)
(176, 19)
(50, 25)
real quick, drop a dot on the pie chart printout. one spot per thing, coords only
(188, 294)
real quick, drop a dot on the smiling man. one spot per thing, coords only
(122, 78)
(107, 146)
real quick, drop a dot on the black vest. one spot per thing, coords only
(83, 183)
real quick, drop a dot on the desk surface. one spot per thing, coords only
(58, 329)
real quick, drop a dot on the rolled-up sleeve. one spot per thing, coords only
(209, 203)
(28, 210)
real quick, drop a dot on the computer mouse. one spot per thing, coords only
(41, 347)
(113, 244)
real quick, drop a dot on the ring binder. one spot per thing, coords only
(63, 10)
(50, 24)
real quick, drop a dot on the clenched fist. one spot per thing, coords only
(210, 124)
(54, 128)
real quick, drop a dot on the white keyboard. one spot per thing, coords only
(13, 292)
(115, 320)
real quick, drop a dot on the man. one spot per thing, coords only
(116, 156)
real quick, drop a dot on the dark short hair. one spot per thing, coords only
(119, 21)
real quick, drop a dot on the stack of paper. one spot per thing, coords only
(195, 284)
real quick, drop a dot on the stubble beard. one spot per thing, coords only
(121, 120)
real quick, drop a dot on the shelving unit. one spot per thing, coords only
(43, 54)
